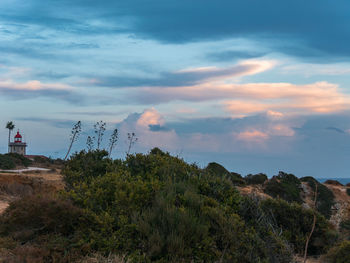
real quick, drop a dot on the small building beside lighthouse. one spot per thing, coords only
(18, 146)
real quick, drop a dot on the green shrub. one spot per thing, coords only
(19, 159)
(285, 186)
(339, 253)
(44, 225)
(348, 191)
(6, 162)
(218, 170)
(296, 222)
(277, 248)
(256, 178)
(11, 160)
(236, 179)
(344, 228)
(84, 166)
(325, 197)
(158, 208)
(345, 225)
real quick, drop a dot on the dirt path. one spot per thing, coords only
(28, 169)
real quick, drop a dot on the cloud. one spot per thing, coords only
(252, 135)
(150, 117)
(230, 55)
(35, 88)
(249, 98)
(296, 28)
(335, 129)
(190, 76)
(58, 123)
(248, 134)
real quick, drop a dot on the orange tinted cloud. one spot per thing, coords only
(33, 85)
(150, 117)
(319, 97)
(252, 135)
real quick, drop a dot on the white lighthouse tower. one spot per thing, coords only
(18, 146)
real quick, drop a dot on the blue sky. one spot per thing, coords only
(259, 86)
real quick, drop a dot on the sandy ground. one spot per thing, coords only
(28, 169)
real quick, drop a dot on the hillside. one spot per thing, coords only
(340, 208)
(157, 208)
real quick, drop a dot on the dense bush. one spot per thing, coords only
(83, 166)
(345, 224)
(268, 231)
(6, 162)
(333, 182)
(157, 208)
(44, 229)
(218, 170)
(339, 253)
(325, 197)
(11, 160)
(256, 178)
(285, 186)
(348, 191)
(345, 229)
(295, 223)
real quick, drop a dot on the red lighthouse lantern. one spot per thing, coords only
(18, 137)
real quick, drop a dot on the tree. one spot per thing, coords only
(10, 126)
(74, 136)
(112, 141)
(100, 128)
(131, 140)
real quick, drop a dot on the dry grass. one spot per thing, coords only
(14, 185)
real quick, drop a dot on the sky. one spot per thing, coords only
(256, 85)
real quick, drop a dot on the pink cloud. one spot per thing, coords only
(245, 68)
(150, 117)
(319, 97)
(32, 85)
(238, 99)
(282, 130)
(252, 135)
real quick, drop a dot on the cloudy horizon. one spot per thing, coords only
(258, 86)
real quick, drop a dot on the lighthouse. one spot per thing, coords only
(17, 146)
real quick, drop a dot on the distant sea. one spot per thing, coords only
(343, 181)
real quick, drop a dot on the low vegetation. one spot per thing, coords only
(256, 178)
(339, 253)
(157, 208)
(13, 160)
(325, 197)
(285, 186)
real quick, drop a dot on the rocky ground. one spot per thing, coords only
(341, 208)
